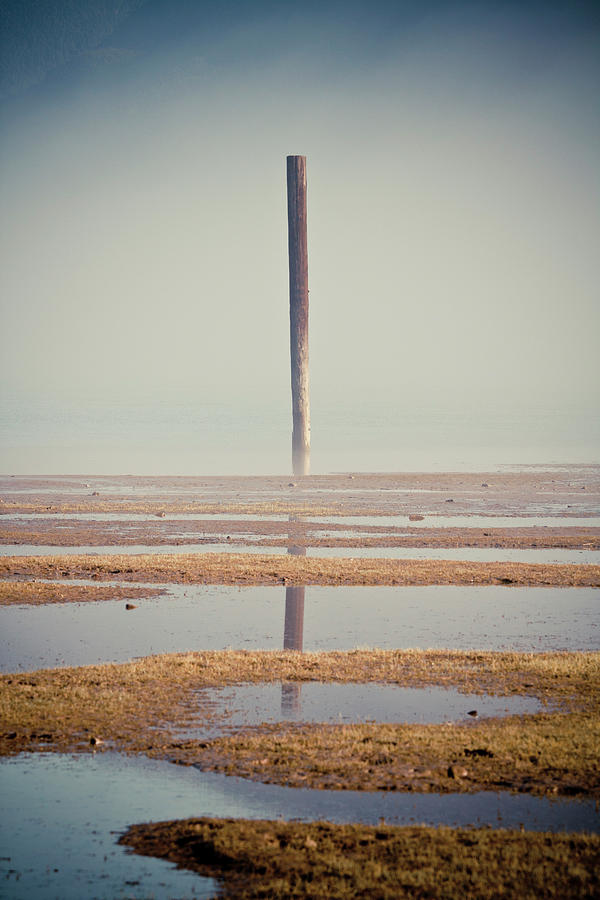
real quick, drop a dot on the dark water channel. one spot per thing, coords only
(198, 617)
(62, 817)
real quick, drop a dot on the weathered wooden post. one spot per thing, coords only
(298, 260)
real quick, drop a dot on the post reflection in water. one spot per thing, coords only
(293, 629)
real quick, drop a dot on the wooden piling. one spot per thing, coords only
(298, 263)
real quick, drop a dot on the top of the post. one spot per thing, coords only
(297, 163)
(296, 171)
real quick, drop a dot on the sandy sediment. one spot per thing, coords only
(158, 532)
(563, 491)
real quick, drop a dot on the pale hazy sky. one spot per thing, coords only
(454, 215)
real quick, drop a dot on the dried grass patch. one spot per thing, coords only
(247, 569)
(540, 754)
(142, 707)
(290, 859)
(35, 593)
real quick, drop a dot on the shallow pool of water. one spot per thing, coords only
(313, 701)
(209, 617)
(462, 521)
(383, 522)
(62, 817)
(133, 549)
(36, 518)
(545, 556)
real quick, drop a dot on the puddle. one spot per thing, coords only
(132, 549)
(36, 518)
(463, 521)
(385, 523)
(61, 820)
(293, 701)
(71, 810)
(481, 554)
(385, 490)
(209, 617)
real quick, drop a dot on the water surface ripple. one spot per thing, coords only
(62, 816)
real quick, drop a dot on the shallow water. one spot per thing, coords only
(383, 522)
(36, 518)
(462, 521)
(553, 555)
(72, 810)
(133, 549)
(62, 818)
(313, 701)
(201, 617)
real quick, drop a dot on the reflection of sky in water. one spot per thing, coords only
(461, 521)
(196, 617)
(481, 554)
(313, 701)
(70, 810)
(143, 517)
(384, 523)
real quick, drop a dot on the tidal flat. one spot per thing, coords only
(173, 708)
(144, 706)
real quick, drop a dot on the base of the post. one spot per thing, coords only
(301, 460)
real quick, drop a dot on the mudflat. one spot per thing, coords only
(151, 707)
(562, 491)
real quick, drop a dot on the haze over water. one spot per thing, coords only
(179, 437)
(453, 224)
